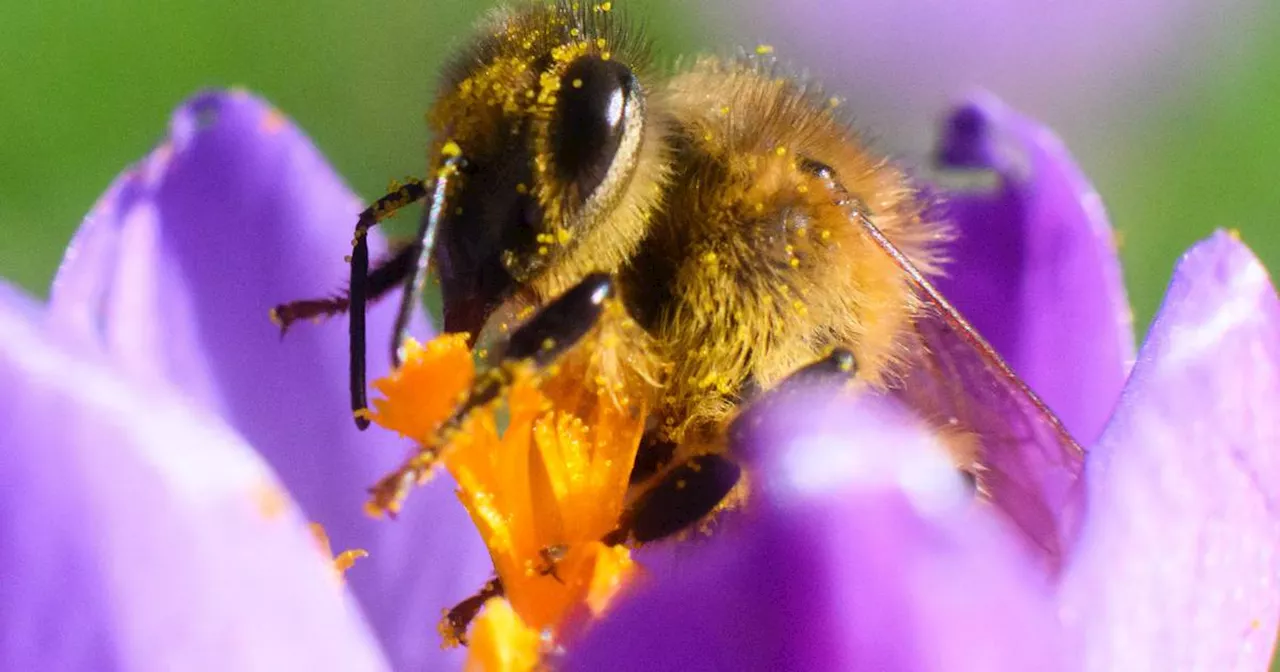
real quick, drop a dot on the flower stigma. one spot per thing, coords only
(542, 469)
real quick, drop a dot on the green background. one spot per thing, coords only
(87, 89)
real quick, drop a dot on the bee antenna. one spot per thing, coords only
(425, 241)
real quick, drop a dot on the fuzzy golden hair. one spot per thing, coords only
(753, 265)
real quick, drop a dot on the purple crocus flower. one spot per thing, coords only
(862, 549)
(168, 283)
(142, 531)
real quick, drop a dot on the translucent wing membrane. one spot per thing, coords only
(1025, 461)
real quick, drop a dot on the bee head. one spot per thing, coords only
(542, 128)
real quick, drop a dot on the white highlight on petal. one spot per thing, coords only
(1246, 282)
(870, 452)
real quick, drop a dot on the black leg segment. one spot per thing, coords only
(689, 492)
(359, 289)
(837, 367)
(562, 323)
(459, 618)
(684, 496)
(653, 454)
(384, 277)
(552, 331)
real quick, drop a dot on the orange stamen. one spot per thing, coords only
(542, 492)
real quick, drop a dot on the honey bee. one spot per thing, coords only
(749, 237)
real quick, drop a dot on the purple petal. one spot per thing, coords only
(16, 302)
(1178, 561)
(142, 534)
(1034, 268)
(174, 272)
(861, 550)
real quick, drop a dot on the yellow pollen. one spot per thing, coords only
(543, 491)
(272, 502)
(501, 642)
(577, 83)
(450, 150)
(420, 395)
(764, 49)
(342, 561)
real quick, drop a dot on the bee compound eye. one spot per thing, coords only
(594, 105)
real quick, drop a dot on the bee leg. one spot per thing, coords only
(384, 277)
(693, 489)
(654, 453)
(406, 267)
(382, 209)
(684, 495)
(551, 332)
(541, 340)
(458, 619)
(837, 366)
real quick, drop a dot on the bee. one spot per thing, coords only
(746, 233)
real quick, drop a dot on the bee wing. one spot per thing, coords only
(1026, 462)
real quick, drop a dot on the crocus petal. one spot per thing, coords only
(174, 272)
(860, 550)
(142, 534)
(1178, 562)
(16, 302)
(1034, 267)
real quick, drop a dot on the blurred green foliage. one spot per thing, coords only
(1213, 162)
(87, 89)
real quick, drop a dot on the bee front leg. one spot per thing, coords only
(539, 342)
(405, 268)
(690, 491)
(384, 277)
